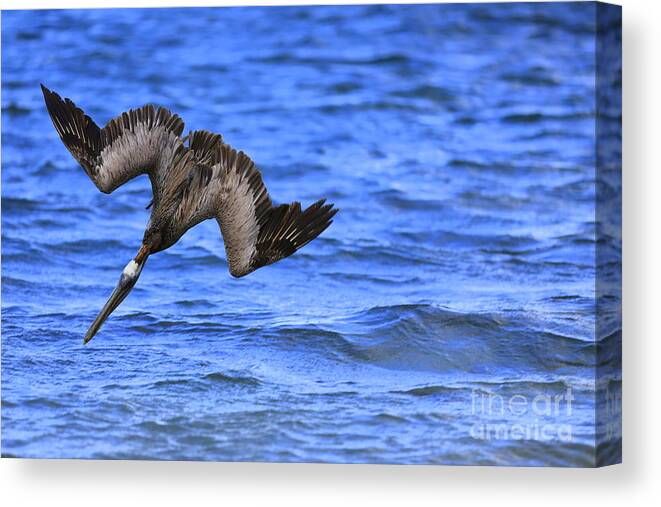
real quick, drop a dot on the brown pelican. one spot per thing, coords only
(190, 183)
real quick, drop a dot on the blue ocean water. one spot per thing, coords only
(447, 316)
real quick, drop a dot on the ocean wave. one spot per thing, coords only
(434, 94)
(428, 390)
(534, 117)
(428, 338)
(232, 379)
(14, 109)
(290, 58)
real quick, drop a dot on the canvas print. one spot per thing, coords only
(341, 234)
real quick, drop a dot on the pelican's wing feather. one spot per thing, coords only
(205, 145)
(139, 141)
(255, 232)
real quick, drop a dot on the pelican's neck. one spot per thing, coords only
(141, 256)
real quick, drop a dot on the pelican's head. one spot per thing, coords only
(126, 282)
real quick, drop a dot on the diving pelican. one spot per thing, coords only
(190, 183)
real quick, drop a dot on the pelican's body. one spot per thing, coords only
(192, 182)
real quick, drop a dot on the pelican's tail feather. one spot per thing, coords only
(286, 229)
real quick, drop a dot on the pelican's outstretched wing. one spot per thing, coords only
(255, 232)
(140, 141)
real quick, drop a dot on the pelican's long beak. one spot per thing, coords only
(127, 280)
